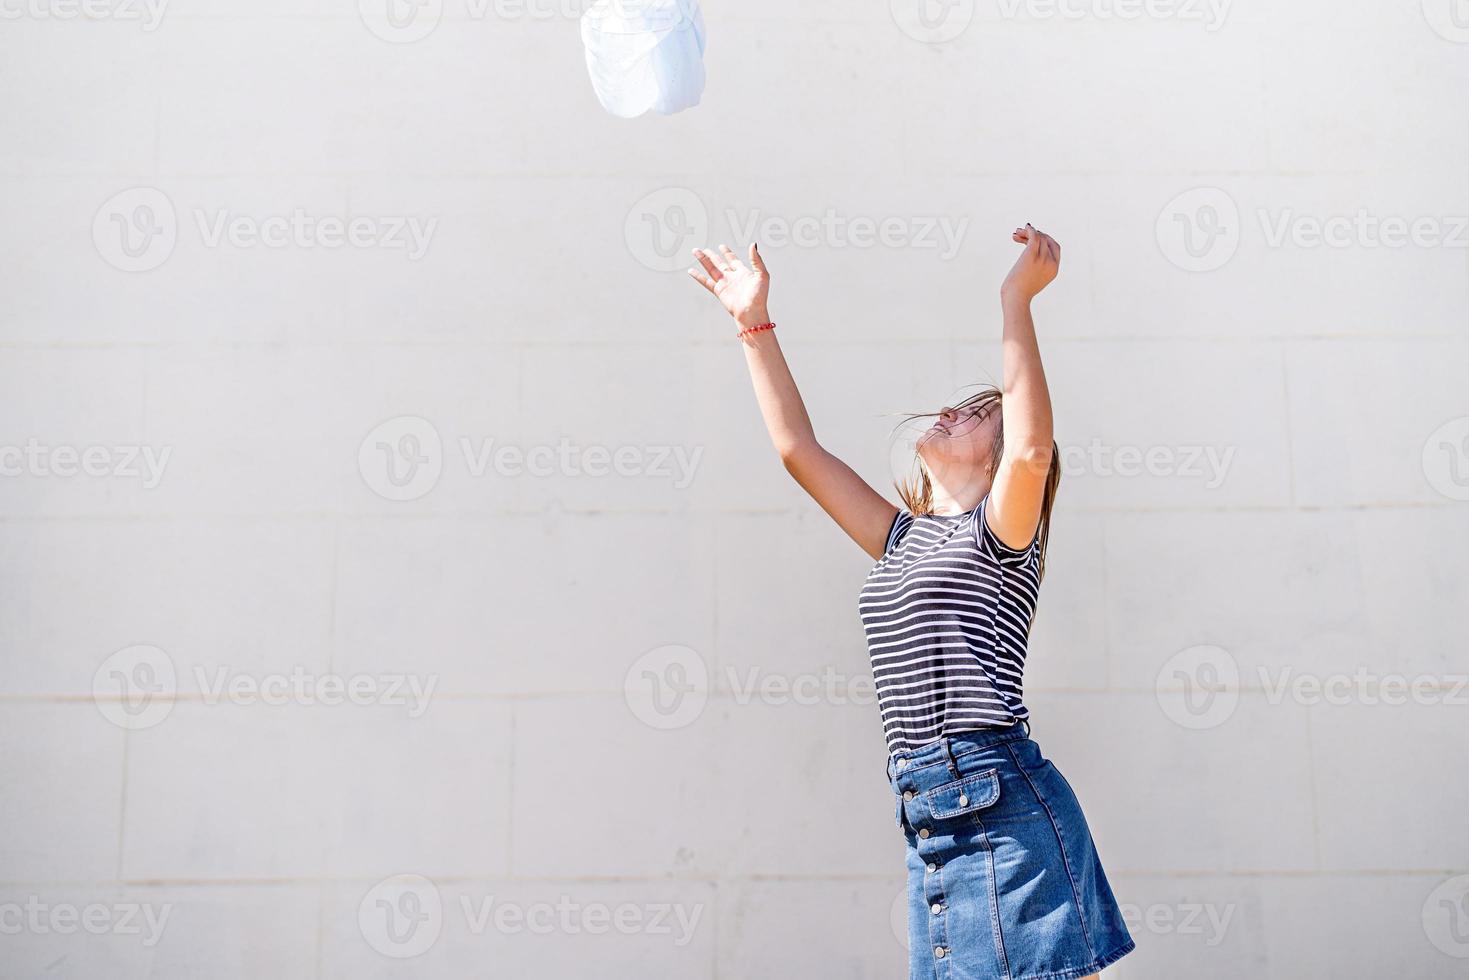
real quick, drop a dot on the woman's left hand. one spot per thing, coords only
(1037, 266)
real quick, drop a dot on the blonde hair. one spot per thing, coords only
(916, 490)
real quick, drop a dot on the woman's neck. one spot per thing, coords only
(952, 501)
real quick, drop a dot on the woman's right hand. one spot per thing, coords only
(744, 291)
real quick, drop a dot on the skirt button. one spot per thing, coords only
(908, 795)
(923, 833)
(932, 868)
(936, 908)
(940, 952)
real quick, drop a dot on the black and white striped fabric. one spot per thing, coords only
(947, 611)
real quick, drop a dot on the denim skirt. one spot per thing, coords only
(1004, 882)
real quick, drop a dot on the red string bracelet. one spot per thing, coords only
(755, 329)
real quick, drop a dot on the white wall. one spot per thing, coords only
(1262, 832)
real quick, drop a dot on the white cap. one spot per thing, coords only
(645, 54)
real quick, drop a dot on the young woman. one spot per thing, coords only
(1003, 877)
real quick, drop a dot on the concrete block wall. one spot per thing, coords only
(395, 579)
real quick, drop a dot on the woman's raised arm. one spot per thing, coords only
(1019, 486)
(745, 290)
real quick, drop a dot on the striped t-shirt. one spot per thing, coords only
(947, 612)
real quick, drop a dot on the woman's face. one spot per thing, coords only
(957, 447)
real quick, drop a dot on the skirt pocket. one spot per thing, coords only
(964, 796)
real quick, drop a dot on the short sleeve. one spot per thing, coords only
(902, 521)
(990, 544)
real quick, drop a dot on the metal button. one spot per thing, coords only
(923, 833)
(936, 908)
(902, 764)
(940, 952)
(908, 795)
(932, 868)
(963, 800)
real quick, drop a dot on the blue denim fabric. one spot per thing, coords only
(1003, 878)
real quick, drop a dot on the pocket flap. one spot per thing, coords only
(964, 795)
